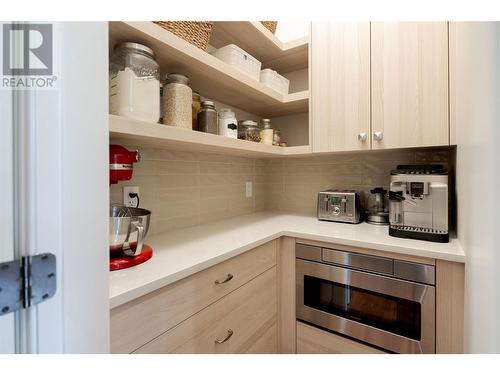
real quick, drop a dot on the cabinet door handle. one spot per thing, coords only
(378, 136)
(362, 137)
(228, 336)
(228, 278)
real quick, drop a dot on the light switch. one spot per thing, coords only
(248, 189)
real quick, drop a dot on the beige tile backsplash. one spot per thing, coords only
(292, 184)
(184, 189)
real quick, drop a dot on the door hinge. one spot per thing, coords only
(27, 281)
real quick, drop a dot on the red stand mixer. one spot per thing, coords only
(128, 226)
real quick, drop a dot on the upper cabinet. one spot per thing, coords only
(409, 67)
(340, 84)
(379, 85)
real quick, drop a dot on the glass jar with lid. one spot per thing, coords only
(207, 118)
(195, 109)
(134, 82)
(249, 131)
(276, 137)
(177, 101)
(266, 134)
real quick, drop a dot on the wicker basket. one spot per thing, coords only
(196, 33)
(270, 25)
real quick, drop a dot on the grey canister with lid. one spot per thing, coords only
(207, 118)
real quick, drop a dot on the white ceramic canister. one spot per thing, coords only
(228, 125)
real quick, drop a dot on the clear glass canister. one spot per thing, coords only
(134, 82)
(276, 137)
(177, 101)
(195, 110)
(207, 118)
(266, 134)
(249, 131)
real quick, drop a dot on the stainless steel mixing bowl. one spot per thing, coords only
(128, 226)
(138, 231)
(119, 228)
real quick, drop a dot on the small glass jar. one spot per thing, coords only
(228, 125)
(266, 134)
(195, 109)
(207, 118)
(276, 137)
(134, 82)
(249, 131)
(177, 101)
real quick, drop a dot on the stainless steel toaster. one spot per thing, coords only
(339, 205)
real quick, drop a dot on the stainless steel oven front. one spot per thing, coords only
(381, 301)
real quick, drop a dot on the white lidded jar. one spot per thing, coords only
(177, 101)
(228, 125)
(134, 82)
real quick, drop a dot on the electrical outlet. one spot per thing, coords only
(248, 189)
(127, 200)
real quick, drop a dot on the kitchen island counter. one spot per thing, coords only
(181, 253)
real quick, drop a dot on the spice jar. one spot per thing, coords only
(276, 137)
(134, 82)
(207, 118)
(249, 131)
(177, 101)
(266, 134)
(195, 109)
(228, 126)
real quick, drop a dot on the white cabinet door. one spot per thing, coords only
(340, 84)
(409, 65)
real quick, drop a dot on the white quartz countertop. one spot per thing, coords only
(184, 252)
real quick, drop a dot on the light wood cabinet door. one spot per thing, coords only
(244, 321)
(340, 85)
(409, 64)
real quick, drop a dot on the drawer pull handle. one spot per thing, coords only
(228, 278)
(228, 336)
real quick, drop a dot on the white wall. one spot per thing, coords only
(287, 31)
(475, 79)
(85, 182)
(7, 336)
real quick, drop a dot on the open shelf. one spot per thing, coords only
(163, 136)
(211, 77)
(259, 42)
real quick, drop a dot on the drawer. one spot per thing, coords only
(267, 343)
(249, 313)
(147, 317)
(312, 340)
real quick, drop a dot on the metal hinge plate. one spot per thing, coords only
(27, 281)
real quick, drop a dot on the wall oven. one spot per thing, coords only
(381, 301)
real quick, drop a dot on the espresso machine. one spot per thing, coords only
(418, 202)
